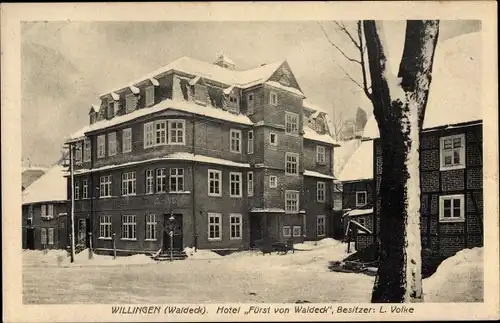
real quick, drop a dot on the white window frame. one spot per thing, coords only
(215, 180)
(110, 109)
(321, 225)
(320, 155)
(271, 134)
(149, 95)
(176, 177)
(214, 224)
(236, 227)
(151, 225)
(234, 106)
(237, 140)
(116, 107)
(296, 173)
(149, 135)
(29, 219)
(87, 150)
(129, 227)
(170, 137)
(295, 229)
(160, 134)
(294, 130)
(150, 181)
(161, 180)
(239, 183)
(129, 184)
(85, 189)
(358, 203)
(250, 142)
(320, 189)
(129, 102)
(43, 236)
(105, 227)
(287, 231)
(461, 152)
(271, 185)
(105, 185)
(112, 143)
(288, 195)
(77, 190)
(50, 210)
(453, 217)
(273, 98)
(78, 152)
(101, 146)
(127, 140)
(250, 182)
(50, 236)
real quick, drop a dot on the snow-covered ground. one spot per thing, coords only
(206, 277)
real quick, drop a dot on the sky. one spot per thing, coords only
(65, 66)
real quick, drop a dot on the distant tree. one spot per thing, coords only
(361, 119)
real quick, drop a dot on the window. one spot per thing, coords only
(214, 226)
(292, 163)
(200, 93)
(128, 227)
(50, 236)
(291, 201)
(320, 191)
(320, 225)
(112, 144)
(149, 181)
(176, 179)
(148, 135)
(287, 231)
(82, 231)
(297, 230)
(236, 226)
(273, 98)
(43, 235)
(214, 182)
(235, 184)
(451, 208)
(250, 142)
(360, 198)
(160, 132)
(105, 227)
(101, 146)
(250, 183)
(116, 107)
(105, 186)
(151, 227)
(250, 103)
(176, 130)
(235, 141)
(128, 183)
(78, 153)
(273, 181)
(150, 96)
(273, 139)
(452, 152)
(50, 210)
(87, 150)
(161, 182)
(233, 105)
(129, 103)
(127, 140)
(29, 220)
(77, 190)
(47, 210)
(292, 123)
(320, 155)
(85, 189)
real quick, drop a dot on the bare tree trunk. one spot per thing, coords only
(399, 106)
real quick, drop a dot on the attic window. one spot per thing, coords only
(285, 80)
(150, 95)
(110, 108)
(130, 103)
(200, 93)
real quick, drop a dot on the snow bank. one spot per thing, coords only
(200, 254)
(457, 279)
(311, 245)
(82, 260)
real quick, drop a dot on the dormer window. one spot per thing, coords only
(200, 93)
(116, 107)
(110, 108)
(150, 96)
(130, 103)
(233, 104)
(250, 103)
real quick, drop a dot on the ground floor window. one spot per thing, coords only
(105, 226)
(320, 225)
(236, 226)
(297, 230)
(151, 226)
(287, 231)
(451, 208)
(128, 227)
(82, 231)
(214, 226)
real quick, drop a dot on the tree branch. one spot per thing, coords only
(344, 29)
(361, 48)
(337, 47)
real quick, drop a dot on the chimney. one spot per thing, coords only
(225, 62)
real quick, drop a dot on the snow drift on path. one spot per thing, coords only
(457, 279)
(82, 260)
(200, 254)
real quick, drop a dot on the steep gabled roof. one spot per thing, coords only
(360, 165)
(49, 187)
(29, 176)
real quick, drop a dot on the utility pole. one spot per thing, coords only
(71, 156)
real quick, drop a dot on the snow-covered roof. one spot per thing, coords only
(312, 173)
(285, 88)
(313, 135)
(455, 93)
(342, 154)
(185, 106)
(267, 210)
(243, 79)
(78, 135)
(30, 175)
(310, 106)
(174, 156)
(360, 165)
(95, 107)
(359, 225)
(49, 187)
(357, 212)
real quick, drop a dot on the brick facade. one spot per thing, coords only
(32, 229)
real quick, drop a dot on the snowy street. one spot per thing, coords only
(245, 277)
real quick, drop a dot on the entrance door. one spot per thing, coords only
(255, 228)
(172, 223)
(30, 238)
(82, 232)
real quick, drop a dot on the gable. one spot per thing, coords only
(285, 77)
